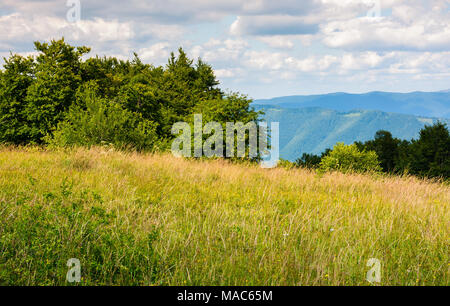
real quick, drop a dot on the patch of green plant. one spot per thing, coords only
(348, 158)
(39, 236)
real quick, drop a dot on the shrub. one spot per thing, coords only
(348, 158)
(103, 122)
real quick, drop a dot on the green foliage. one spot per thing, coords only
(56, 79)
(14, 82)
(38, 236)
(231, 107)
(311, 161)
(348, 158)
(104, 122)
(44, 99)
(386, 148)
(430, 154)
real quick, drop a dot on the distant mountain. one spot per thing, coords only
(426, 104)
(312, 130)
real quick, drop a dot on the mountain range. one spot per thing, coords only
(426, 104)
(311, 124)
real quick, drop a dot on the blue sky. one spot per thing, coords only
(258, 47)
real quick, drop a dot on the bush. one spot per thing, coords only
(348, 158)
(103, 122)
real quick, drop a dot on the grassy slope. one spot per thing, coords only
(141, 219)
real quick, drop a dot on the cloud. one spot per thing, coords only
(272, 25)
(166, 11)
(229, 73)
(26, 28)
(229, 50)
(279, 41)
(256, 42)
(409, 27)
(157, 53)
(263, 60)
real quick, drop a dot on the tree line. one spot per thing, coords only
(60, 99)
(427, 156)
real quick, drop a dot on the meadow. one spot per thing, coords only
(153, 219)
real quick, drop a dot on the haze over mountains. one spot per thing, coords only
(311, 124)
(427, 104)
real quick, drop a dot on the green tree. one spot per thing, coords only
(231, 107)
(139, 93)
(41, 95)
(182, 86)
(14, 83)
(430, 154)
(108, 73)
(386, 148)
(403, 161)
(348, 158)
(309, 161)
(57, 78)
(104, 122)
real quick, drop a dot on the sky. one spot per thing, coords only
(262, 48)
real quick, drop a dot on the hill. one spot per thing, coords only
(425, 104)
(134, 219)
(312, 130)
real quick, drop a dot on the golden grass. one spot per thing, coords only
(229, 224)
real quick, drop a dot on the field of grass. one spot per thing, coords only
(136, 219)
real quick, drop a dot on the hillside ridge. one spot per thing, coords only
(426, 104)
(314, 129)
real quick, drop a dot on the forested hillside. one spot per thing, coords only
(313, 130)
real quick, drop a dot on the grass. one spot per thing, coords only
(136, 219)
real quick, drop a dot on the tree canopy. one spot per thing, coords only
(59, 97)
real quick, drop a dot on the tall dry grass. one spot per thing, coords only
(226, 224)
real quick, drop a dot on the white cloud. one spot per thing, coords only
(220, 51)
(273, 25)
(22, 28)
(224, 73)
(157, 53)
(278, 41)
(264, 60)
(410, 27)
(255, 40)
